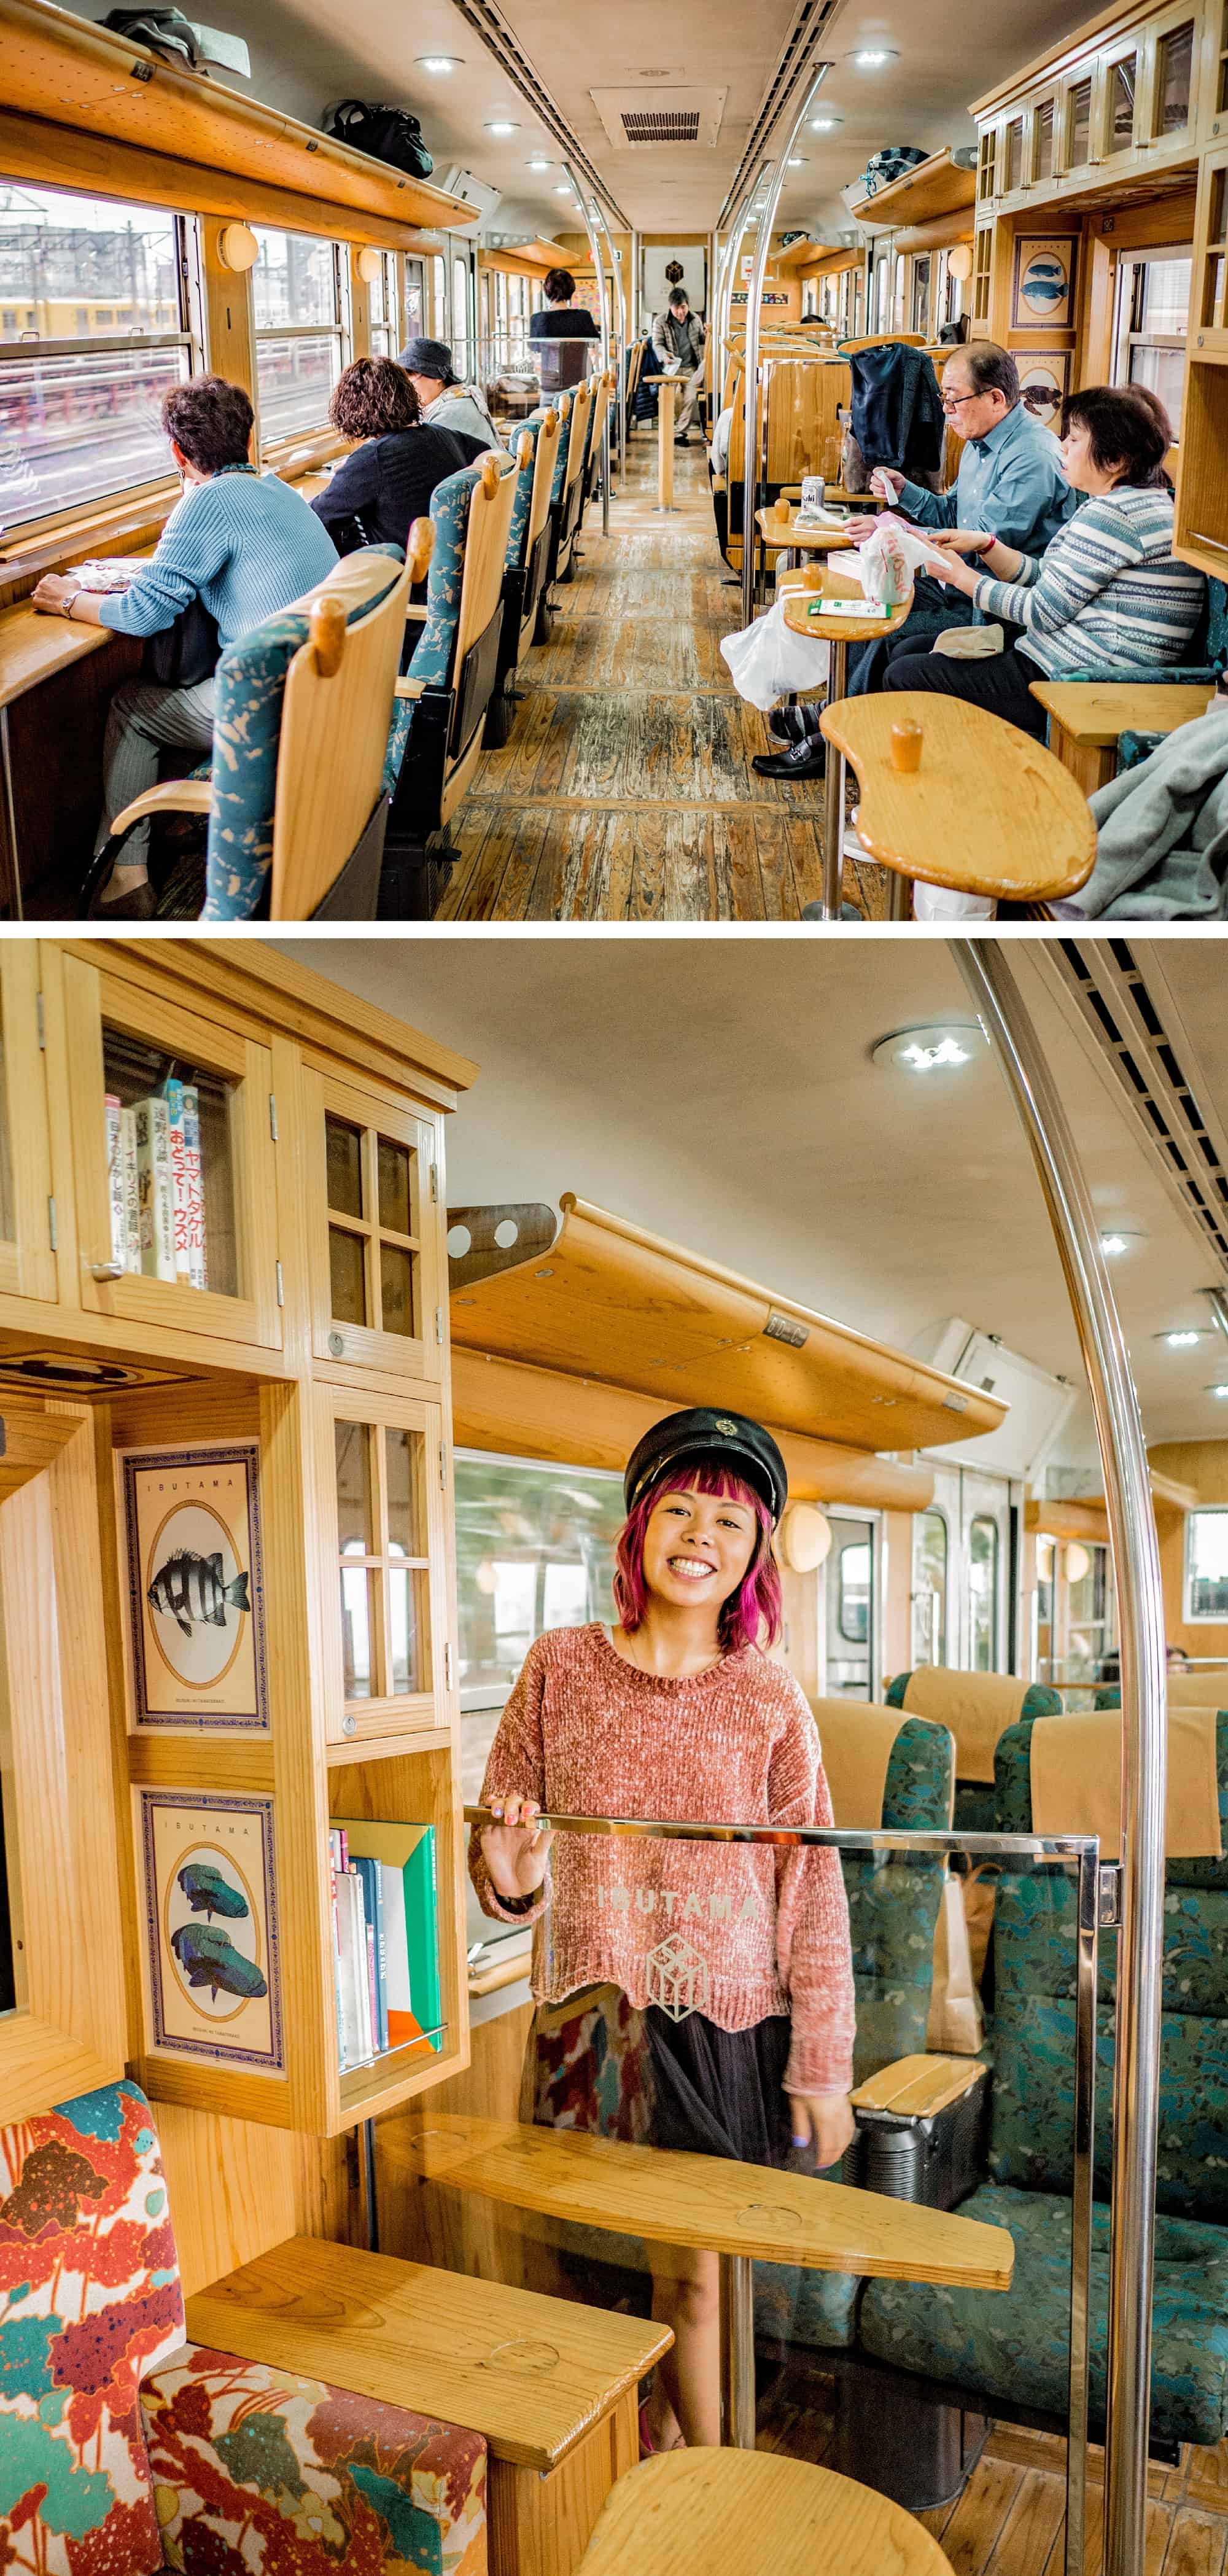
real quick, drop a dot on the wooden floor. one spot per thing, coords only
(625, 791)
(1010, 2519)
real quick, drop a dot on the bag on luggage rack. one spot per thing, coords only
(388, 133)
(165, 31)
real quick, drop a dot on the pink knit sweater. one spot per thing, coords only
(735, 1931)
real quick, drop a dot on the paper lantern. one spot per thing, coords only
(238, 247)
(367, 261)
(959, 260)
(803, 1539)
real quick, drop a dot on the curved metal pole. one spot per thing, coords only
(603, 316)
(616, 271)
(1123, 1458)
(750, 378)
(733, 248)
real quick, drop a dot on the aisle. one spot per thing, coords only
(625, 791)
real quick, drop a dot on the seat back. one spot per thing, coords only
(888, 1769)
(577, 432)
(247, 729)
(1182, 1690)
(549, 431)
(1033, 2032)
(89, 2301)
(335, 723)
(602, 389)
(562, 413)
(803, 404)
(481, 598)
(527, 442)
(978, 1707)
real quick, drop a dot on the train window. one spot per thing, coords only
(1042, 142)
(896, 320)
(296, 286)
(920, 294)
(460, 316)
(1153, 303)
(415, 291)
(1206, 1565)
(385, 308)
(1089, 1611)
(534, 1550)
(983, 1547)
(439, 298)
(93, 332)
(929, 1588)
(1123, 81)
(853, 1611)
(1079, 129)
(1173, 77)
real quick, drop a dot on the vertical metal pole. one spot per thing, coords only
(603, 315)
(737, 2276)
(616, 272)
(733, 252)
(1087, 1919)
(1136, 1563)
(750, 381)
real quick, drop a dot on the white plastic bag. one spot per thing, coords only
(892, 556)
(942, 903)
(767, 661)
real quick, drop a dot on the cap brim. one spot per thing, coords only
(722, 1452)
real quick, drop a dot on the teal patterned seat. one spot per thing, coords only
(251, 680)
(435, 651)
(1009, 2349)
(518, 533)
(893, 1911)
(974, 1807)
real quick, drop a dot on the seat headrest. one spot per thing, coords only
(857, 1740)
(978, 1708)
(1076, 1781)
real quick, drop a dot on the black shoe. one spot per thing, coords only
(806, 759)
(788, 724)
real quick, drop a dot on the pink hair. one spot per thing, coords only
(754, 1608)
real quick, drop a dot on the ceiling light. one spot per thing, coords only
(938, 1048)
(1117, 1239)
(1111, 1244)
(563, 190)
(796, 161)
(538, 164)
(1181, 1341)
(439, 62)
(1218, 1390)
(501, 125)
(871, 58)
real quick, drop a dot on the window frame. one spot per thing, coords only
(1125, 337)
(932, 1512)
(190, 337)
(985, 1521)
(850, 1547)
(390, 329)
(342, 331)
(1199, 1618)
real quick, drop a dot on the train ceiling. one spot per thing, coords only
(306, 52)
(722, 1093)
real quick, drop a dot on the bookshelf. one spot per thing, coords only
(266, 1459)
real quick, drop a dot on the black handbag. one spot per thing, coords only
(165, 31)
(388, 133)
(182, 655)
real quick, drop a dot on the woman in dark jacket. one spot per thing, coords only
(375, 494)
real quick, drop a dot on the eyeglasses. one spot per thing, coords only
(951, 402)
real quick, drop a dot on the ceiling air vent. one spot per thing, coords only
(656, 114)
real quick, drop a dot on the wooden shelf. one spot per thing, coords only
(74, 73)
(935, 187)
(539, 257)
(803, 255)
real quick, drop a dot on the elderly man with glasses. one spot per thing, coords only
(1010, 479)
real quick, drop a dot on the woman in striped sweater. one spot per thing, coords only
(1106, 595)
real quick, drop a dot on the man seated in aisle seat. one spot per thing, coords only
(718, 452)
(557, 332)
(678, 338)
(375, 494)
(242, 543)
(1107, 595)
(1010, 480)
(447, 403)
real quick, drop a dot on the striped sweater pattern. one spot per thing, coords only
(735, 1932)
(1107, 594)
(244, 543)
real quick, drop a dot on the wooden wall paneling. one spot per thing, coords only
(230, 313)
(425, 2222)
(1093, 361)
(296, 1699)
(73, 2036)
(542, 2526)
(55, 751)
(26, 1140)
(237, 2187)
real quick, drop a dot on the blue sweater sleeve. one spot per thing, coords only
(191, 551)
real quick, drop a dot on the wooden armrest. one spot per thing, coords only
(417, 612)
(410, 688)
(174, 796)
(921, 2085)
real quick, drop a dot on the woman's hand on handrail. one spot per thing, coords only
(516, 1851)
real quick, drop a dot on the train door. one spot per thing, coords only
(965, 1573)
(853, 1591)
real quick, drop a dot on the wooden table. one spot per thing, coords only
(1086, 717)
(743, 2213)
(989, 811)
(754, 2513)
(552, 2385)
(667, 387)
(840, 633)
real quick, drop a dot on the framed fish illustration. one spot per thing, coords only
(1044, 283)
(212, 1940)
(196, 1587)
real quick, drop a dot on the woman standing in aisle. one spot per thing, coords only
(735, 1964)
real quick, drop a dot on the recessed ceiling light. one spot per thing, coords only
(1221, 1389)
(825, 124)
(1117, 1239)
(938, 1048)
(796, 161)
(501, 125)
(538, 164)
(439, 62)
(871, 58)
(563, 190)
(1180, 1341)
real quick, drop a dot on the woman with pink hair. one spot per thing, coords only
(728, 1969)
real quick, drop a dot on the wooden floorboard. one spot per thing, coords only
(625, 791)
(1011, 2517)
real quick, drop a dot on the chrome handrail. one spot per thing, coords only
(603, 314)
(754, 428)
(1127, 1488)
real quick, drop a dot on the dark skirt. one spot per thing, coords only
(599, 2065)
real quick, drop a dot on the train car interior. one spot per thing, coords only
(726, 347)
(355, 1297)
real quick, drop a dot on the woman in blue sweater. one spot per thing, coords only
(1106, 595)
(241, 542)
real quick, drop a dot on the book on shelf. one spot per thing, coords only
(155, 1187)
(131, 1184)
(387, 1939)
(183, 1113)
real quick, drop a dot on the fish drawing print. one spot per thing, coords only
(189, 1588)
